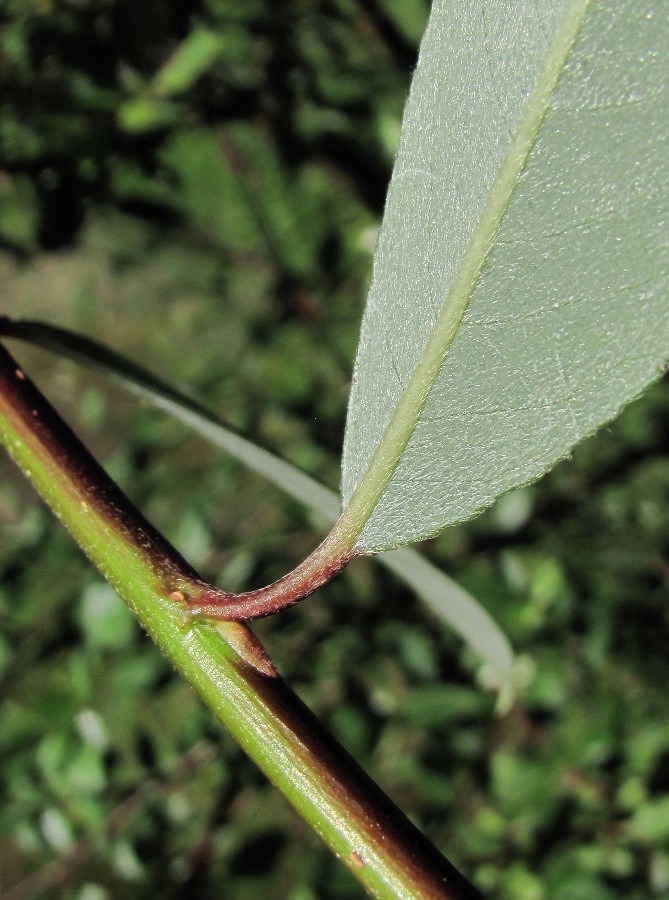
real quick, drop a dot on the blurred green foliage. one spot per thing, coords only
(199, 184)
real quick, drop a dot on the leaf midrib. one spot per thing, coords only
(407, 412)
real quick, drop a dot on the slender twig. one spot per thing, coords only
(225, 664)
(206, 601)
(448, 600)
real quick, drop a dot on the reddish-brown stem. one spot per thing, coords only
(382, 848)
(203, 600)
(319, 568)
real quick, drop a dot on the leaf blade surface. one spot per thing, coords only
(566, 319)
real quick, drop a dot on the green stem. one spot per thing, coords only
(225, 664)
(205, 601)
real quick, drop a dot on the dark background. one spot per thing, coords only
(199, 184)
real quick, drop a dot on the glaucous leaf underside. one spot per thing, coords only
(543, 124)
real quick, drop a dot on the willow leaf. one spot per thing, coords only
(519, 293)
